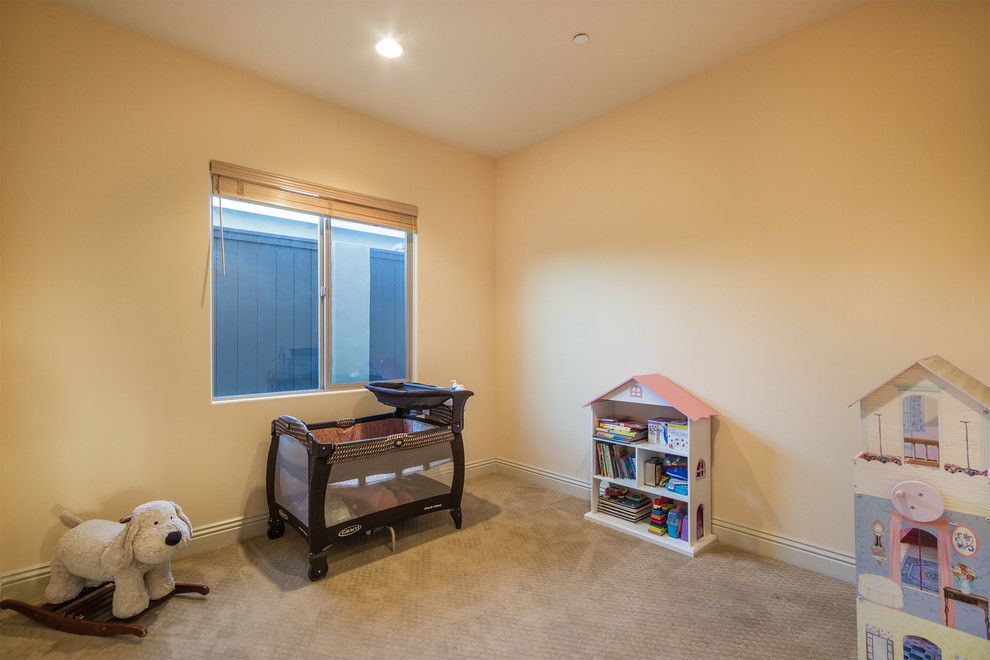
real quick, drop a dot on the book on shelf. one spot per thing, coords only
(604, 462)
(611, 434)
(615, 461)
(627, 502)
(624, 516)
(621, 503)
(625, 509)
(628, 439)
(622, 426)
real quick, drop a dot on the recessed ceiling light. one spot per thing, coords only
(581, 38)
(388, 48)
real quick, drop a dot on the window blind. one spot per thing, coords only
(265, 188)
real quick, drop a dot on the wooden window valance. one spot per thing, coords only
(265, 188)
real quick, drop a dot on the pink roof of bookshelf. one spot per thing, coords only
(669, 391)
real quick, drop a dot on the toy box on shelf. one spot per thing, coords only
(670, 433)
(921, 504)
(651, 463)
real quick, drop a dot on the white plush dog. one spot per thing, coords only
(135, 556)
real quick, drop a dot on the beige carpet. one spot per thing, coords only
(526, 577)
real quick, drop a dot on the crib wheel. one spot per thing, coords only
(317, 566)
(276, 528)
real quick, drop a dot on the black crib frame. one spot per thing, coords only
(422, 403)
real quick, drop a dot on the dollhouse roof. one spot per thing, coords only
(664, 392)
(951, 374)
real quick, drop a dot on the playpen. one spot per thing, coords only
(330, 480)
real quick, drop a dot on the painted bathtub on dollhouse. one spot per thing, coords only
(922, 516)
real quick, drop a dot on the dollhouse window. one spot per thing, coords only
(699, 472)
(920, 414)
(879, 644)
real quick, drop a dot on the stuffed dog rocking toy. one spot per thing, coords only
(134, 555)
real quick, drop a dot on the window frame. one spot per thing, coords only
(258, 187)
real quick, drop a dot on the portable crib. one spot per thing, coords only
(330, 480)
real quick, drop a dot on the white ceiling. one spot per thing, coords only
(490, 76)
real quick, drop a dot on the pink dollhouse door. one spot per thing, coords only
(899, 524)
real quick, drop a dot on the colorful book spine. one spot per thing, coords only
(604, 459)
(614, 461)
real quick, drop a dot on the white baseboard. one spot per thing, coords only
(25, 583)
(819, 559)
(552, 480)
(478, 468)
(800, 553)
(30, 582)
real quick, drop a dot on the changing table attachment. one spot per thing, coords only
(331, 480)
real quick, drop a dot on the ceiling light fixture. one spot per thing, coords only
(388, 48)
(581, 38)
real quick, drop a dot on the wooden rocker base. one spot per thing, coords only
(90, 613)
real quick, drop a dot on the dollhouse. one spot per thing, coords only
(922, 516)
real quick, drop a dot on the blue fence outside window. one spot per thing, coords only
(266, 324)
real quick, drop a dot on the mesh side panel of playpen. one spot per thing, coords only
(365, 485)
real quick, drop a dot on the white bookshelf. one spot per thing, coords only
(641, 399)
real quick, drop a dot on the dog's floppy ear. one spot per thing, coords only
(182, 516)
(120, 553)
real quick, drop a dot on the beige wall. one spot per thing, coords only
(779, 235)
(762, 233)
(107, 138)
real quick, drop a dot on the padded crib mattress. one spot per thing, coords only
(353, 440)
(371, 430)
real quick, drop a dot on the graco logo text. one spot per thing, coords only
(349, 530)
